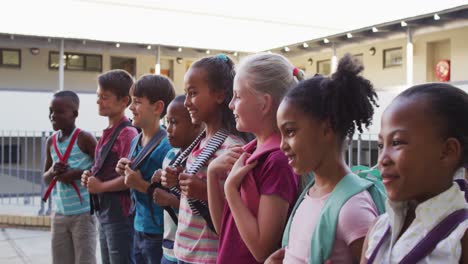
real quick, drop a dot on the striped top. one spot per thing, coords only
(195, 242)
(170, 227)
(65, 200)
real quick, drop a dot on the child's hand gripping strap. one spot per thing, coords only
(168, 209)
(105, 150)
(137, 161)
(64, 160)
(200, 207)
(182, 159)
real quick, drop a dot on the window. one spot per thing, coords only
(392, 57)
(76, 61)
(324, 67)
(127, 64)
(10, 154)
(10, 58)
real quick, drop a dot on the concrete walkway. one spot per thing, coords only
(27, 246)
(24, 246)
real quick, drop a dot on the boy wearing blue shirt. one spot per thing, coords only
(150, 96)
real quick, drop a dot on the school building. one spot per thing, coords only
(396, 54)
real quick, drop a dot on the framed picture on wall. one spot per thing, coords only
(393, 57)
(324, 67)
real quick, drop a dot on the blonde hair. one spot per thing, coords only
(267, 73)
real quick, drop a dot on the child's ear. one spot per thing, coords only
(126, 100)
(220, 97)
(267, 104)
(159, 107)
(75, 113)
(451, 152)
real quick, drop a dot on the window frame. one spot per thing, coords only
(124, 57)
(10, 65)
(85, 59)
(385, 66)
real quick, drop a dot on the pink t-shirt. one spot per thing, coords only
(356, 216)
(271, 176)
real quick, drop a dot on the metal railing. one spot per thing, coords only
(22, 159)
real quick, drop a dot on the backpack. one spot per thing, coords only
(323, 237)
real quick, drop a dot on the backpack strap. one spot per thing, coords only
(182, 159)
(323, 237)
(63, 159)
(424, 247)
(108, 147)
(147, 150)
(440, 232)
(287, 229)
(463, 187)
(93, 198)
(200, 207)
(137, 161)
(378, 246)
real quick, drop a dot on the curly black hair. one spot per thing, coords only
(346, 99)
(449, 105)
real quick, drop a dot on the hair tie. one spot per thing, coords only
(295, 71)
(222, 57)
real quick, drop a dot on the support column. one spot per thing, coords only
(157, 68)
(61, 65)
(409, 58)
(334, 60)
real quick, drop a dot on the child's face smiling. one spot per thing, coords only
(179, 125)
(108, 103)
(201, 102)
(144, 113)
(411, 157)
(302, 138)
(62, 113)
(246, 107)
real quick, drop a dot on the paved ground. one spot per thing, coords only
(25, 246)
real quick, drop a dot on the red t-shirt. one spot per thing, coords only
(271, 176)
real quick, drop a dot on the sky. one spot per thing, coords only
(241, 25)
